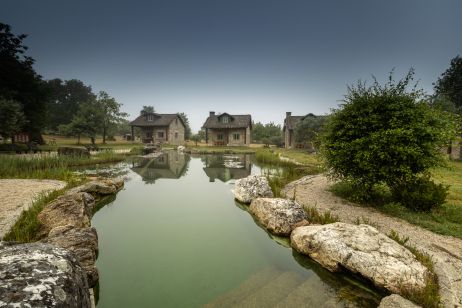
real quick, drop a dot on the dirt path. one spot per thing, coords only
(446, 251)
(17, 195)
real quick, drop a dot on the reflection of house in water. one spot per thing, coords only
(170, 165)
(227, 167)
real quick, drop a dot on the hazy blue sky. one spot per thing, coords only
(261, 57)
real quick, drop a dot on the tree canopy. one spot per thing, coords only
(20, 82)
(147, 109)
(267, 134)
(11, 117)
(308, 129)
(385, 134)
(449, 84)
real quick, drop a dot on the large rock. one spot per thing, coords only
(252, 187)
(100, 187)
(396, 301)
(364, 250)
(70, 209)
(83, 242)
(41, 275)
(279, 216)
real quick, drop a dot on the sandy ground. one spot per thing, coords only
(446, 251)
(17, 195)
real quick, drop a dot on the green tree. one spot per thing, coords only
(108, 110)
(386, 134)
(267, 134)
(147, 109)
(86, 122)
(308, 129)
(20, 82)
(449, 83)
(187, 131)
(11, 117)
(65, 99)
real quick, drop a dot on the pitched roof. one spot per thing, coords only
(159, 119)
(235, 121)
(291, 121)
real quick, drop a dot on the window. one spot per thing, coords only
(220, 137)
(150, 117)
(176, 135)
(236, 136)
(225, 119)
(160, 135)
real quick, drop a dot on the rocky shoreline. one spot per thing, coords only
(360, 249)
(68, 251)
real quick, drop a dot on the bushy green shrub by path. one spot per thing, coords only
(421, 194)
(385, 134)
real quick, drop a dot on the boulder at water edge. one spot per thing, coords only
(252, 187)
(279, 216)
(100, 187)
(361, 249)
(41, 275)
(396, 301)
(83, 242)
(70, 209)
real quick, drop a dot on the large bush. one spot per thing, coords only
(385, 134)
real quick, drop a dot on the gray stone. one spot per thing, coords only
(100, 187)
(252, 187)
(70, 209)
(41, 275)
(396, 301)
(361, 249)
(83, 242)
(279, 216)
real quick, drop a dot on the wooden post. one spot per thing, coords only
(133, 134)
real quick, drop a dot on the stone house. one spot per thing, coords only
(288, 130)
(160, 128)
(227, 129)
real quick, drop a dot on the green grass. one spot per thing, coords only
(50, 167)
(428, 297)
(220, 150)
(316, 217)
(27, 227)
(280, 172)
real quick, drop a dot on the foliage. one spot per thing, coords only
(267, 134)
(421, 194)
(110, 113)
(11, 117)
(449, 83)
(65, 100)
(316, 217)
(147, 109)
(187, 132)
(385, 134)
(307, 130)
(429, 296)
(20, 82)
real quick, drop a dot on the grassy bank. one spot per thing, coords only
(27, 227)
(50, 167)
(220, 150)
(446, 220)
(282, 172)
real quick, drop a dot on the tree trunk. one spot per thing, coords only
(78, 139)
(104, 134)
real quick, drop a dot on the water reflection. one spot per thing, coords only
(169, 165)
(227, 167)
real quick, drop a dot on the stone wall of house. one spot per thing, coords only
(454, 150)
(176, 132)
(288, 138)
(228, 136)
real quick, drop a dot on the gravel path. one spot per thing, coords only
(446, 251)
(17, 195)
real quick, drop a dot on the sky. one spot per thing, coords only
(258, 57)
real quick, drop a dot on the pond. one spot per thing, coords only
(175, 237)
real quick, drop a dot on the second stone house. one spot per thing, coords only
(228, 129)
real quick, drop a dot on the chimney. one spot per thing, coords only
(288, 113)
(212, 113)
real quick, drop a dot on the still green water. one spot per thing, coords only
(175, 237)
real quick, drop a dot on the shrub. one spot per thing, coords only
(421, 194)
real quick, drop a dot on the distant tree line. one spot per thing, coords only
(32, 105)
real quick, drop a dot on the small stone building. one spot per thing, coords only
(227, 129)
(160, 128)
(288, 129)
